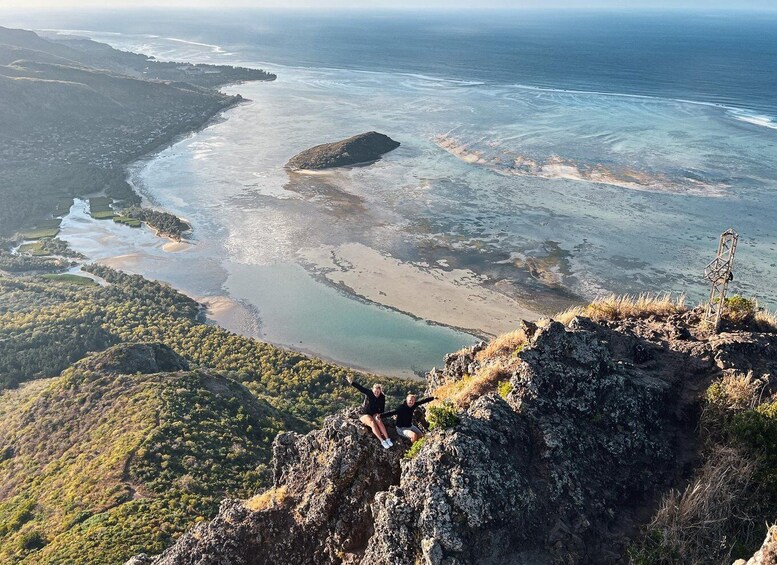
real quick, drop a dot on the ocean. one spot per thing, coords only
(547, 158)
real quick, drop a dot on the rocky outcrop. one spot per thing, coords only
(362, 148)
(767, 555)
(318, 510)
(600, 420)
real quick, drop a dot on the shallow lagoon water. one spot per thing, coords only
(554, 196)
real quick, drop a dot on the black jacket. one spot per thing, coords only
(372, 404)
(404, 413)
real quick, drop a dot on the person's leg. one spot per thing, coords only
(381, 427)
(415, 434)
(369, 421)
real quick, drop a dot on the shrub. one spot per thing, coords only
(740, 310)
(32, 541)
(504, 388)
(415, 448)
(734, 392)
(443, 416)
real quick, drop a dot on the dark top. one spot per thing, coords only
(372, 404)
(404, 413)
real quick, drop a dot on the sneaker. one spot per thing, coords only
(385, 444)
(389, 442)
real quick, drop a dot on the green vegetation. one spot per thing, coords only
(112, 465)
(35, 249)
(26, 263)
(77, 140)
(105, 466)
(44, 327)
(166, 224)
(100, 208)
(504, 388)
(443, 416)
(130, 222)
(43, 229)
(415, 448)
(68, 278)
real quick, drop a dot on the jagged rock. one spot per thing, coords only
(318, 510)
(767, 555)
(130, 358)
(457, 366)
(600, 421)
(362, 148)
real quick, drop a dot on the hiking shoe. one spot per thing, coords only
(389, 442)
(385, 444)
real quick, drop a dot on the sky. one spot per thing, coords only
(25, 5)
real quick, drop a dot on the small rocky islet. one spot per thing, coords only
(356, 150)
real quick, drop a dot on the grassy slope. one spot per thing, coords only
(104, 466)
(196, 436)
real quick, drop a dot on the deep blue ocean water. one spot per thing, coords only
(716, 57)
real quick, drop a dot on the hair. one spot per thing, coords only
(411, 395)
(377, 385)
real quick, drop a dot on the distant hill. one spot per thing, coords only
(74, 112)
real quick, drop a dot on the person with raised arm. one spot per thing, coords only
(374, 403)
(404, 420)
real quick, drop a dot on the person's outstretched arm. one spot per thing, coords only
(387, 414)
(424, 400)
(357, 386)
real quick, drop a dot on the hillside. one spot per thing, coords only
(74, 113)
(627, 435)
(123, 452)
(132, 445)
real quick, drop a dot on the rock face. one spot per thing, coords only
(599, 422)
(362, 148)
(767, 555)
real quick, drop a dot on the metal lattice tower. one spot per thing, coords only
(719, 273)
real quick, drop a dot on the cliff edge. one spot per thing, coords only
(560, 445)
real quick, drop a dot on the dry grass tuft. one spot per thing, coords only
(505, 344)
(463, 392)
(735, 391)
(619, 307)
(268, 499)
(690, 526)
(766, 320)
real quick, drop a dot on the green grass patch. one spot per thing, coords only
(43, 229)
(131, 222)
(100, 208)
(443, 416)
(504, 388)
(415, 448)
(34, 249)
(68, 278)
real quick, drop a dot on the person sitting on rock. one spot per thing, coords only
(404, 414)
(374, 403)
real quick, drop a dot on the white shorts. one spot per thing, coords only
(406, 431)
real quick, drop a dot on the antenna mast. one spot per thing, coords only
(719, 273)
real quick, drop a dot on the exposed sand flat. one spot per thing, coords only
(176, 246)
(231, 315)
(450, 297)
